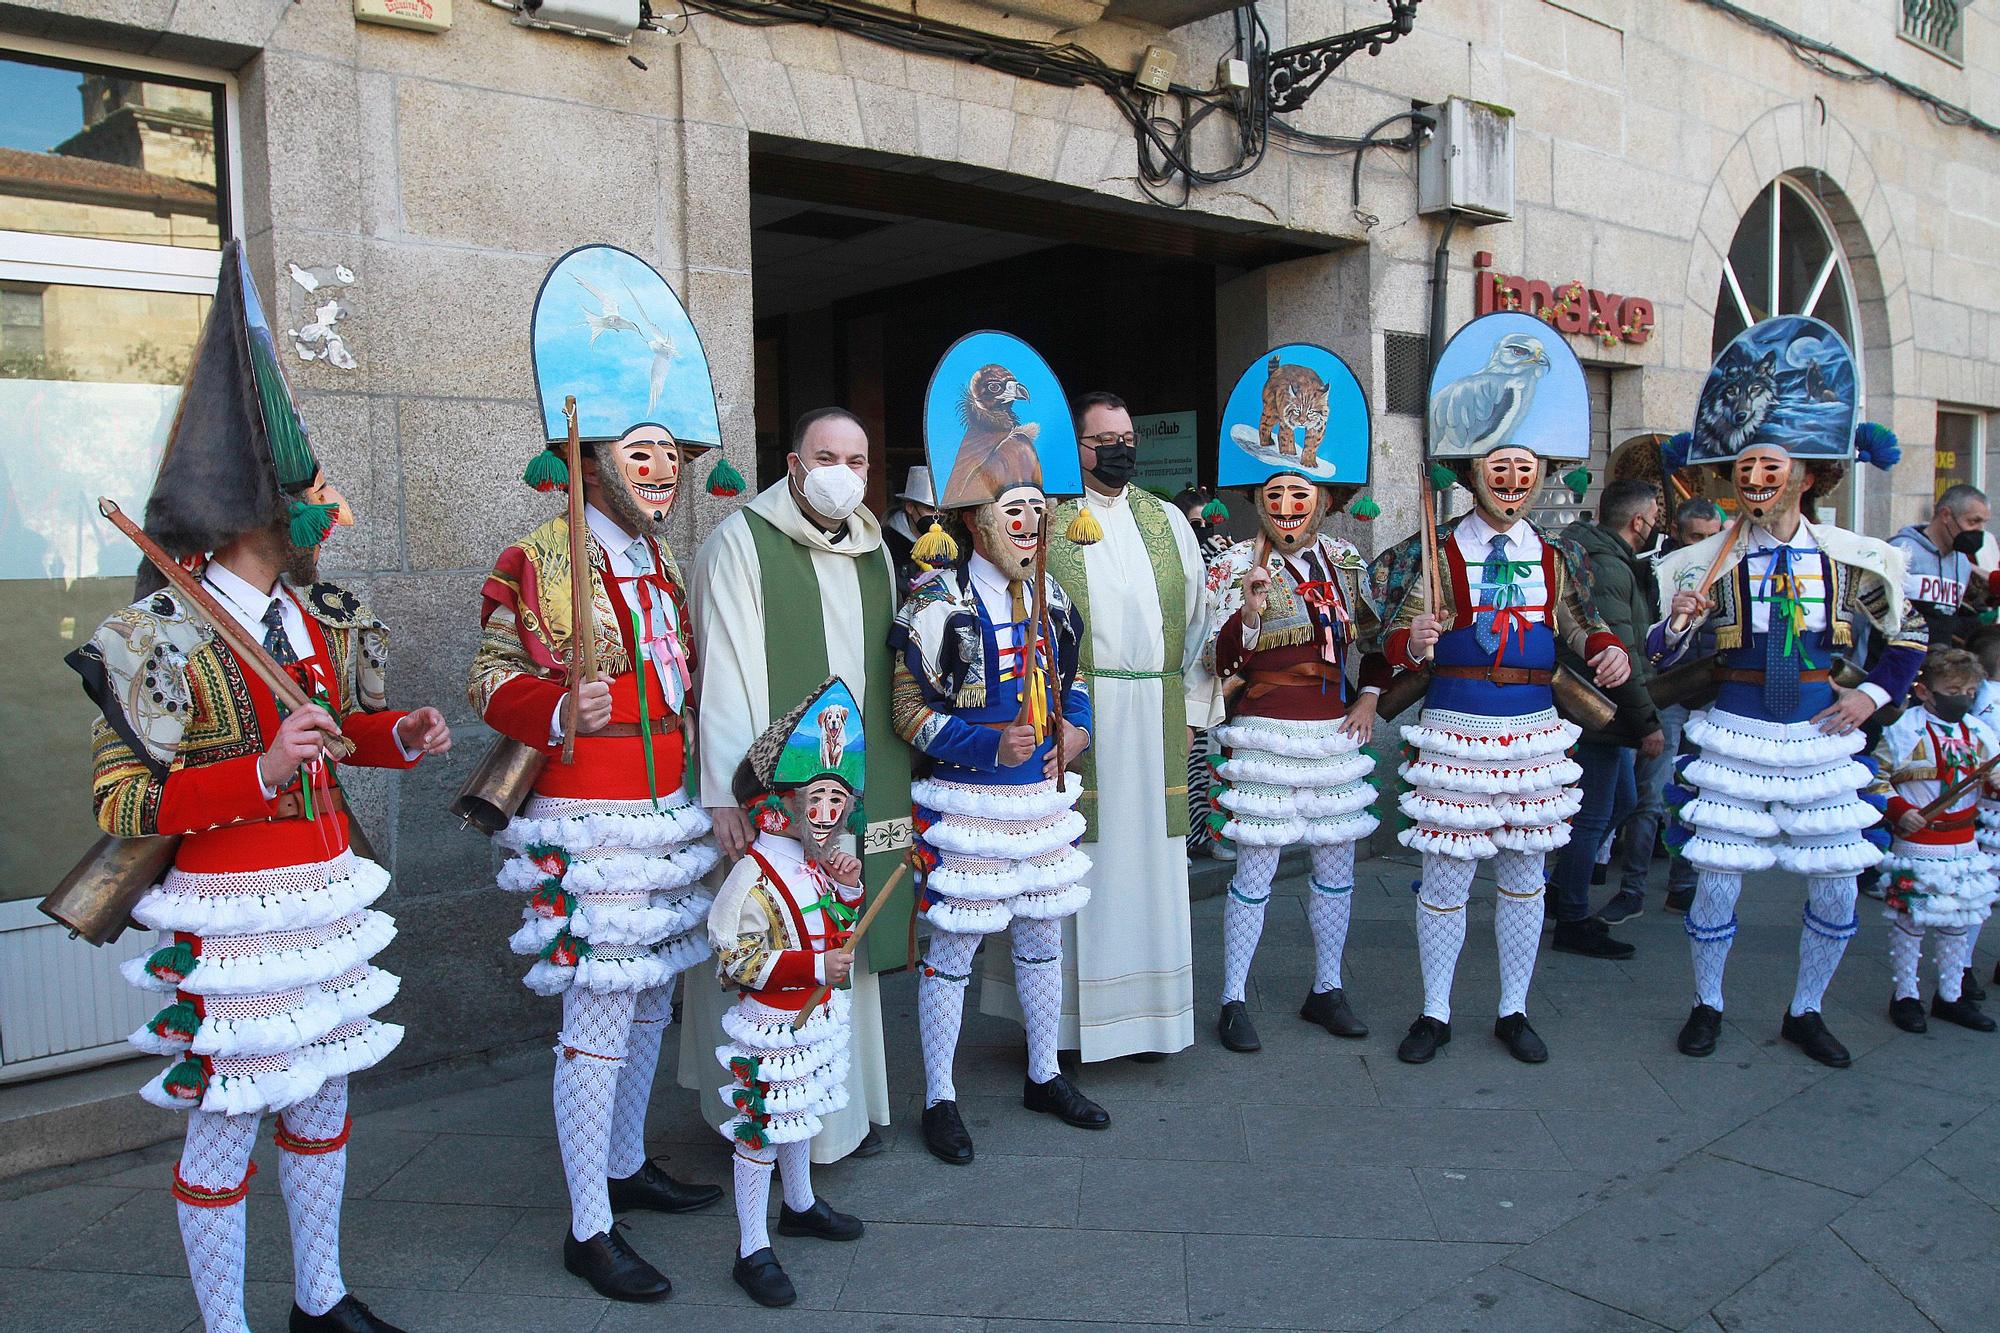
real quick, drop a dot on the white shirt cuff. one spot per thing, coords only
(1875, 692)
(409, 756)
(555, 722)
(819, 969)
(1371, 689)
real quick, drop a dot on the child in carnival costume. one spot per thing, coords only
(780, 928)
(609, 852)
(1290, 618)
(1775, 782)
(1491, 778)
(266, 924)
(1938, 874)
(986, 683)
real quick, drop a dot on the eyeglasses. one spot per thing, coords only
(1106, 439)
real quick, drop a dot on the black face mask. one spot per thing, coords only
(1115, 464)
(1968, 542)
(1952, 707)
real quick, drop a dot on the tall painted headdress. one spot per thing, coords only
(820, 738)
(1786, 383)
(995, 417)
(611, 332)
(1297, 409)
(1509, 380)
(238, 456)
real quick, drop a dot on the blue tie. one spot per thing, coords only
(1493, 577)
(1781, 664)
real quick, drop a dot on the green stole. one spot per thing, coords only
(1066, 564)
(795, 664)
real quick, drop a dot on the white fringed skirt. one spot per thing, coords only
(993, 853)
(1480, 785)
(1776, 793)
(1287, 782)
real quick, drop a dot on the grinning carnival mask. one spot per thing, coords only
(1769, 484)
(1505, 482)
(640, 474)
(821, 807)
(1289, 509)
(1008, 530)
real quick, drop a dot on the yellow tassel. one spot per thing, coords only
(1084, 529)
(935, 547)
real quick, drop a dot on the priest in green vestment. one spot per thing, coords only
(793, 587)
(1128, 961)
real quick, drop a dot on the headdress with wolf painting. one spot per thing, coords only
(1787, 383)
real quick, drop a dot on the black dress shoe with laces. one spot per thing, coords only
(1969, 987)
(819, 1221)
(1699, 1033)
(653, 1189)
(1589, 938)
(1058, 1097)
(872, 1144)
(944, 1134)
(1807, 1031)
(1421, 1042)
(1907, 1013)
(613, 1267)
(763, 1280)
(1522, 1041)
(1233, 1025)
(1329, 1009)
(1963, 1012)
(348, 1315)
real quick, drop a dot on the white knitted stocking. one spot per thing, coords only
(795, 1174)
(589, 1059)
(214, 1157)
(654, 1009)
(1447, 887)
(1954, 955)
(1329, 905)
(1711, 928)
(941, 1009)
(753, 1198)
(1517, 925)
(312, 1178)
(1038, 981)
(1906, 945)
(1829, 925)
(1243, 915)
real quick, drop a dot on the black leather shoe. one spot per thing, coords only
(347, 1316)
(762, 1280)
(1679, 900)
(1058, 1097)
(1523, 1043)
(871, 1144)
(1421, 1042)
(819, 1221)
(1808, 1032)
(1962, 1012)
(1996, 974)
(944, 1134)
(611, 1266)
(1907, 1013)
(1233, 1025)
(1969, 987)
(1147, 1057)
(653, 1189)
(1698, 1034)
(1589, 938)
(1329, 1009)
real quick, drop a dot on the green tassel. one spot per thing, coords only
(547, 471)
(724, 480)
(1442, 477)
(1217, 821)
(1578, 481)
(1215, 511)
(1366, 509)
(187, 1080)
(311, 522)
(173, 962)
(176, 1020)
(744, 1067)
(750, 1133)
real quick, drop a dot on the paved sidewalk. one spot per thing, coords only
(1318, 1184)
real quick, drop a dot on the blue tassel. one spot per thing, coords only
(1867, 761)
(1876, 799)
(1876, 444)
(1678, 835)
(1878, 836)
(1674, 453)
(1677, 795)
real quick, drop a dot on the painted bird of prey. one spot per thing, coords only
(1478, 413)
(663, 350)
(998, 449)
(608, 319)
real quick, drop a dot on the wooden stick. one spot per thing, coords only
(583, 634)
(1957, 789)
(1679, 624)
(860, 928)
(279, 681)
(1427, 533)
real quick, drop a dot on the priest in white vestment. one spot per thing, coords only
(750, 583)
(1128, 961)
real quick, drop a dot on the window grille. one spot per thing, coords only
(1406, 372)
(1936, 25)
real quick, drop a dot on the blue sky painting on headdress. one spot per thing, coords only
(608, 329)
(949, 405)
(1508, 379)
(827, 742)
(1316, 406)
(1787, 383)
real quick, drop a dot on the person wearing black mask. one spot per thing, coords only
(1941, 573)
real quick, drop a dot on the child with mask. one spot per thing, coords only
(1937, 875)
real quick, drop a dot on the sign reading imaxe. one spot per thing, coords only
(1572, 308)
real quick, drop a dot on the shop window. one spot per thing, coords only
(1959, 450)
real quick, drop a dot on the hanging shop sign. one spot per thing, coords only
(1166, 452)
(1571, 307)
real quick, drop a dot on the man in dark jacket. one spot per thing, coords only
(1627, 517)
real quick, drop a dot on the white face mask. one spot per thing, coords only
(833, 491)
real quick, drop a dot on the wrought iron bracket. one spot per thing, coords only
(1294, 74)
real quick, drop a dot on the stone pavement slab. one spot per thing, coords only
(1286, 1281)
(1501, 1300)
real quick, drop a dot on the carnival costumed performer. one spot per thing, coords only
(780, 927)
(1775, 780)
(609, 852)
(986, 689)
(1128, 954)
(266, 920)
(792, 588)
(1491, 778)
(1938, 875)
(1289, 618)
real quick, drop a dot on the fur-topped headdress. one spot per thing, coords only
(238, 454)
(820, 738)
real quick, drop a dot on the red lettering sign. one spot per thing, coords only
(1571, 308)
